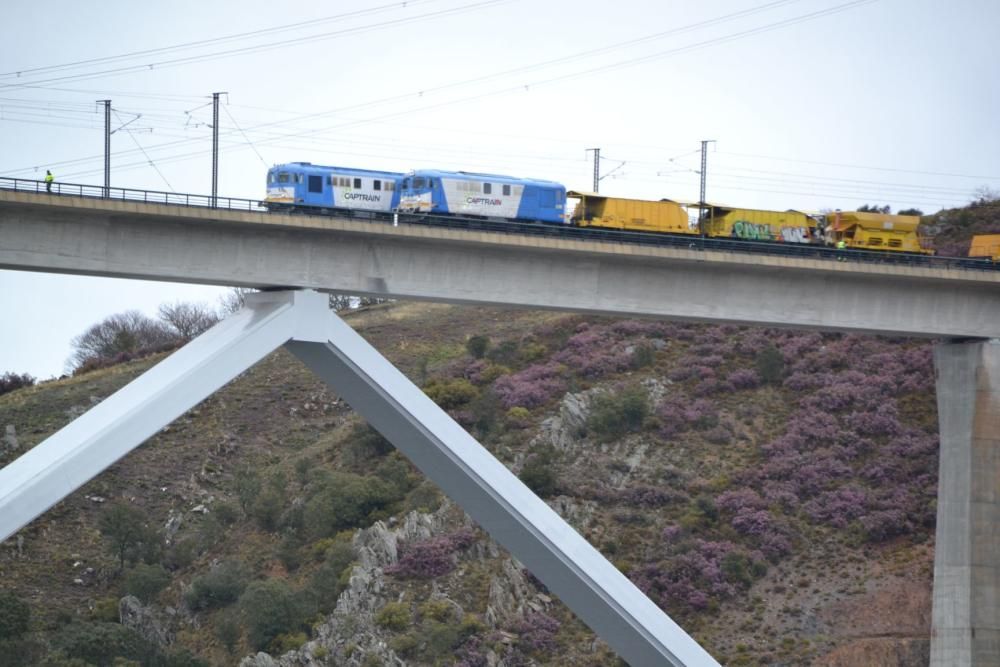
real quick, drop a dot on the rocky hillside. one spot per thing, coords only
(773, 491)
(952, 229)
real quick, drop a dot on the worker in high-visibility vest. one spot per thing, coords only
(841, 245)
(48, 180)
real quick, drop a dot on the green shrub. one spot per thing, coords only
(538, 473)
(269, 504)
(613, 415)
(219, 587)
(436, 610)
(505, 353)
(15, 616)
(124, 528)
(106, 610)
(770, 364)
(226, 513)
(269, 608)
(477, 346)
(405, 645)
(518, 417)
(451, 392)
(285, 642)
(248, 485)
(227, 630)
(642, 356)
(344, 500)
(393, 616)
(101, 643)
(424, 498)
(332, 577)
(365, 444)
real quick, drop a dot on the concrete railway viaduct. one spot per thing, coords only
(297, 254)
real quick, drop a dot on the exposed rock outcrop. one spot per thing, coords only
(144, 620)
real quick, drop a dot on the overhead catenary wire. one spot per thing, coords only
(773, 25)
(257, 48)
(216, 40)
(249, 143)
(151, 163)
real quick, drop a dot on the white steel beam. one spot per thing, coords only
(583, 579)
(53, 469)
(498, 501)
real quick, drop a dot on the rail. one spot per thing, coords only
(520, 228)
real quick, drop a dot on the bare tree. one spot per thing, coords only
(188, 319)
(125, 333)
(984, 194)
(235, 299)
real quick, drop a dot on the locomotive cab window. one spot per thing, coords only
(506, 190)
(419, 183)
(298, 178)
(315, 183)
(270, 178)
(283, 178)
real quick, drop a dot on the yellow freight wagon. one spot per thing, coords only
(636, 215)
(757, 225)
(986, 245)
(876, 231)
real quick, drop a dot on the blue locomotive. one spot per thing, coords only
(303, 184)
(488, 196)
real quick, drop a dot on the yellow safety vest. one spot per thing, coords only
(49, 178)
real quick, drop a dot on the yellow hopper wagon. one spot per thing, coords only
(987, 246)
(877, 231)
(759, 225)
(634, 215)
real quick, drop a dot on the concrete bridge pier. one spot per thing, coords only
(965, 628)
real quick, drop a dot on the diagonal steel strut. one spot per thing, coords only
(493, 496)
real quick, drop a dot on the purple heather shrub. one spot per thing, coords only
(704, 372)
(648, 496)
(781, 494)
(744, 378)
(838, 507)
(671, 532)
(775, 546)
(681, 373)
(711, 386)
(739, 499)
(884, 524)
(819, 475)
(474, 370)
(538, 632)
(810, 430)
(531, 387)
(754, 523)
(430, 558)
(883, 421)
(801, 381)
(472, 653)
(678, 415)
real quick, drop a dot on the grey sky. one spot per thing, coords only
(813, 104)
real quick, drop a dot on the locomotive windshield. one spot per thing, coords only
(282, 178)
(419, 183)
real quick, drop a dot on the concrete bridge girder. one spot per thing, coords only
(158, 242)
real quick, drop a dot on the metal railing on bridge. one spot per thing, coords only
(807, 251)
